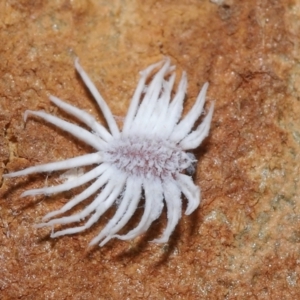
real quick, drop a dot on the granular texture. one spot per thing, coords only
(243, 241)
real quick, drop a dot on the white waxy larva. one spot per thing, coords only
(146, 157)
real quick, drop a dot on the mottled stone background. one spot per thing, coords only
(244, 240)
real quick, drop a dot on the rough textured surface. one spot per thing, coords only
(243, 243)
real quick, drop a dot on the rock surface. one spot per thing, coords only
(243, 242)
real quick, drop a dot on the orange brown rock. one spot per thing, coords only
(243, 242)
